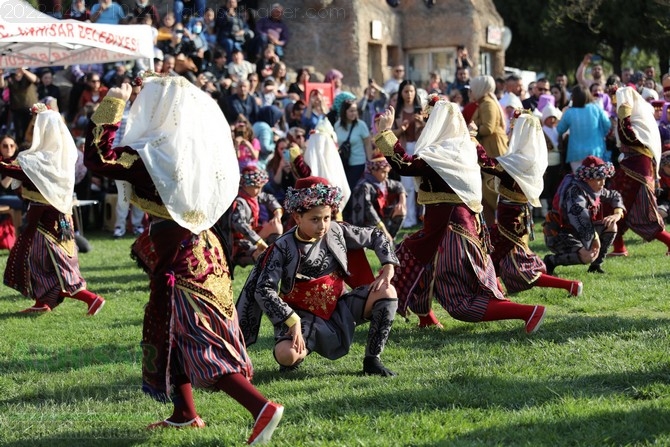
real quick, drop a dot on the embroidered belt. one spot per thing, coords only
(318, 296)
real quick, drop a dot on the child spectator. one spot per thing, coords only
(251, 231)
(378, 201)
(552, 176)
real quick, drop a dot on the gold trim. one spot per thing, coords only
(512, 195)
(69, 246)
(638, 177)
(624, 111)
(302, 239)
(110, 111)
(385, 141)
(643, 150)
(34, 196)
(431, 197)
(150, 207)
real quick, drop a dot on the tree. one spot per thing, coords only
(555, 34)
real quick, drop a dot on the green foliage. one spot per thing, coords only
(553, 35)
(596, 374)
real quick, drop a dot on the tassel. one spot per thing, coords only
(485, 235)
(171, 279)
(66, 230)
(528, 220)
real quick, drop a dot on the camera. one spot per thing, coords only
(418, 109)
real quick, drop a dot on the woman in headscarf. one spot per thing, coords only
(638, 170)
(43, 264)
(335, 77)
(518, 181)
(264, 129)
(449, 257)
(185, 180)
(491, 135)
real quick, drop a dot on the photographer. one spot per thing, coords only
(22, 95)
(462, 58)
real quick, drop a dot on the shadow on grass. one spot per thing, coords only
(494, 392)
(561, 329)
(42, 359)
(108, 437)
(128, 390)
(635, 427)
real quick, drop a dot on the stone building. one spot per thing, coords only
(365, 38)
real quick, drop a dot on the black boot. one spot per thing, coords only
(549, 264)
(383, 313)
(563, 259)
(606, 241)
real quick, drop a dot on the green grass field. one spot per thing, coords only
(596, 374)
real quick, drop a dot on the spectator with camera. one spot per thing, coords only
(22, 86)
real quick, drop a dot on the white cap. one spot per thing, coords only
(510, 100)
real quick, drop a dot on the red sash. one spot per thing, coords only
(318, 296)
(381, 201)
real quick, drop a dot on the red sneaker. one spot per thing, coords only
(193, 423)
(576, 288)
(266, 423)
(535, 320)
(36, 309)
(95, 306)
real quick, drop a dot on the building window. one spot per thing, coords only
(421, 62)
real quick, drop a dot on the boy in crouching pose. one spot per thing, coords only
(299, 284)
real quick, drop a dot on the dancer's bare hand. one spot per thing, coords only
(383, 280)
(123, 92)
(295, 332)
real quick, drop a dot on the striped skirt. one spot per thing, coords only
(514, 261)
(637, 191)
(52, 271)
(520, 268)
(461, 277)
(208, 344)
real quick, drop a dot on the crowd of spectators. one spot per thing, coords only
(236, 57)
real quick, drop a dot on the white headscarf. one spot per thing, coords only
(445, 144)
(481, 86)
(51, 159)
(186, 144)
(323, 159)
(526, 159)
(643, 121)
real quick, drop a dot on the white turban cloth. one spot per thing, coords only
(643, 121)
(186, 145)
(323, 159)
(445, 144)
(526, 158)
(50, 161)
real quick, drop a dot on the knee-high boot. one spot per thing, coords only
(606, 241)
(383, 313)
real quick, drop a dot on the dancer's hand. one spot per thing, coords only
(295, 332)
(123, 92)
(386, 119)
(383, 280)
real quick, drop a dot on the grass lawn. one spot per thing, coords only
(596, 374)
